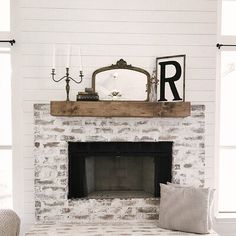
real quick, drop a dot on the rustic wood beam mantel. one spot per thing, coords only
(120, 109)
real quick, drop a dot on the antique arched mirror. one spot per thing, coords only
(121, 82)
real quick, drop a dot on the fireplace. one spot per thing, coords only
(118, 169)
(52, 135)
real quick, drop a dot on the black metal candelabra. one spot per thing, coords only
(67, 79)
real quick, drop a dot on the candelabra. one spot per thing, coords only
(67, 79)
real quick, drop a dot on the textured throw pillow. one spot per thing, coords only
(184, 209)
(210, 205)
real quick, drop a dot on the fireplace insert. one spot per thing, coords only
(118, 169)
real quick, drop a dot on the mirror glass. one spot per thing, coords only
(114, 83)
(121, 84)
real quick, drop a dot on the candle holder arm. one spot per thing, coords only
(81, 77)
(77, 82)
(54, 75)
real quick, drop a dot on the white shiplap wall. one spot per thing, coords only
(106, 30)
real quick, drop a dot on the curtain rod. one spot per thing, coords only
(219, 45)
(8, 41)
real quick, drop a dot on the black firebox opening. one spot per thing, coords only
(118, 169)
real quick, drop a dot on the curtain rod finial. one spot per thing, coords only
(12, 42)
(218, 45)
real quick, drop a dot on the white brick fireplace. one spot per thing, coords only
(51, 161)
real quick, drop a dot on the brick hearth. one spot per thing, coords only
(106, 229)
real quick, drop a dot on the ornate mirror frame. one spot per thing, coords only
(122, 64)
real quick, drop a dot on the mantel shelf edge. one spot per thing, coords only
(120, 109)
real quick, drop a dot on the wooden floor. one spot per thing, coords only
(105, 229)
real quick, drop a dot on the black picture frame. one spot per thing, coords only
(171, 87)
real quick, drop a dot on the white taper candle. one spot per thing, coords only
(80, 60)
(53, 56)
(68, 56)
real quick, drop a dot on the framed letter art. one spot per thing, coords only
(171, 75)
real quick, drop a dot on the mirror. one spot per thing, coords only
(121, 82)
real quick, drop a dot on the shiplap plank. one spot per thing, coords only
(45, 60)
(28, 152)
(29, 219)
(170, 5)
(118, 27)
(209, 141)
(210, 118)
(29, 197)
(44, 72)
(197, 85)
(162, 50)
(29, 206)
(44, 40)
(200, 96)
(28, 173)
(209, 106)
(48, 84)
(209, 162)
(130, 51)
(29, 161)
(209, 151)
(29, 129)
(115, 15)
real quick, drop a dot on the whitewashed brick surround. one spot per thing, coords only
(52, 134)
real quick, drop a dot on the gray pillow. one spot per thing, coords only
(210, 205)
(184, 209)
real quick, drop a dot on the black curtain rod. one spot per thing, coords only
(8, 41)
(219, 45)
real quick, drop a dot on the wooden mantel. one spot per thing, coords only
(120, 109)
